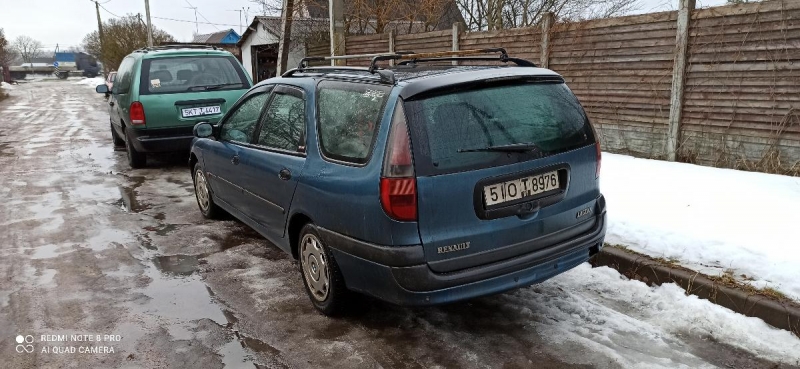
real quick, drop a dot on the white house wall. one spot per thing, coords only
(262, 37)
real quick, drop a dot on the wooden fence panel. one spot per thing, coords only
(521, 42)
(621, 70)
(742, 106)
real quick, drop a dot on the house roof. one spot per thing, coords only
(300, 27)
(213, 38)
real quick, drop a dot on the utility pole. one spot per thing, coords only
(196, 29)
(286, 34)
(240, 17)
(100, 34)
(336, 13)
(150, 25)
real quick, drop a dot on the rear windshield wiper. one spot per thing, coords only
(214, 87)
(525, 147)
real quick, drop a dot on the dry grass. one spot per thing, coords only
(727, 278)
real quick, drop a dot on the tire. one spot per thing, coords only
(322, 278)
(118, 141)
(136, 159)
(205, 201)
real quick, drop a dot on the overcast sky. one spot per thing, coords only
(66, 22)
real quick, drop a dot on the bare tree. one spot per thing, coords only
(28, 48)
(499, 14)
(372, 16)
(121, 37)
(7, 55)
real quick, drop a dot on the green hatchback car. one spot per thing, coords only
(160, 93)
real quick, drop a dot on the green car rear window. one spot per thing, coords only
(446, 127)
(182, 74)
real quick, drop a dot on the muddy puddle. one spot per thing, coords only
(177, 265)
(129, 200)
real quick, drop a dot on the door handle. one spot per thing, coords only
(235, 160)
(111, 103)
(285, 174)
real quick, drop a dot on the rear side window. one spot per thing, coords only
(349, 114)
(545, 114)
(123, 84)
(191, 73)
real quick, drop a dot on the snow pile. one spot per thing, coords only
(91, 82)
(709, 219)
(6, 86)
(640, 326)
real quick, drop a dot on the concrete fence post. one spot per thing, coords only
(337, 30)
(456, 31)
(391, 45)
(547, 23)
(678, 78)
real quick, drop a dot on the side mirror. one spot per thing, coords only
(101, 89)
(203, 130)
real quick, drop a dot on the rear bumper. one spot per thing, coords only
(162, 140)
(401, 276)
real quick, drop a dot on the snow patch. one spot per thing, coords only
(640, 326)
(6, 86)
(709, 219)
(91, 82)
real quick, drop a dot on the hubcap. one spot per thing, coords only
(201, 189)
(315, 267)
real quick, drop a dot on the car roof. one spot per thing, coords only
(414, 80)
(150, 53)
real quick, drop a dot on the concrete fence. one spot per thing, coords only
(717, 86)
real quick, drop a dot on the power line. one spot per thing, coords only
(201, 14)
(176, 20)
(108, 11)
(191, 21)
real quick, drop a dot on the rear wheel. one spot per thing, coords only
(118, 141)
(206, 203)
(135, 158)
(321, 276)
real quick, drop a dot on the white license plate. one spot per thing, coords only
(520, 188)
(196, 112)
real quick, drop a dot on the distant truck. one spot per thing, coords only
(69, 64)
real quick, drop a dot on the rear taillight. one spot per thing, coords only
(137, 113)
(599, 157)
(398, 183)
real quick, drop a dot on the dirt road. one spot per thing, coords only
(96, 257)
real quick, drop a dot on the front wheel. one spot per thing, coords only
(136, 159)
(206, 203)
(321, 276)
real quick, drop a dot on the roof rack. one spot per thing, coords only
(407, 57)
(178, 46)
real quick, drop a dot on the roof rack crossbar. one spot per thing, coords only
(438, 55)
(304, 62)
(385, 75)
(406, 57)
(178, 46)
(518, 61)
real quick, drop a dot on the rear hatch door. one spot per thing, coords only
(502, 169)
(183, 90)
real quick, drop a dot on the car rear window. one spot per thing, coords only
(191, 73)
(545, 114)
(349, 114)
